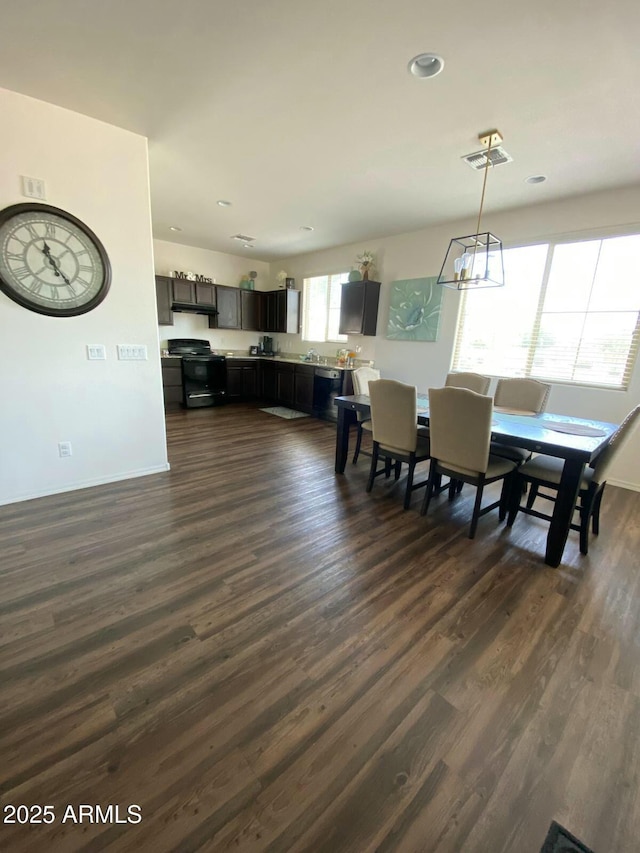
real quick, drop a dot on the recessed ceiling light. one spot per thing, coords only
(535, 179)
(223, 203)
(248, 246)
(174, 228)
(306, 227)
(426, 65)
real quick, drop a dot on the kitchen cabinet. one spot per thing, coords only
(242, 379)
(269, 388)
(285, 383)
(171, 382)
(359, 308)
(303, 387)
(282, 309)
(228, 305)
(164, 298)
(193, 292)
(251, 310)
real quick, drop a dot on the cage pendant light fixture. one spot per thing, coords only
(475, 261)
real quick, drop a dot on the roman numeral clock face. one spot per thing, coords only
(51, 262)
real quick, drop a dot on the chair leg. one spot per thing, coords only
(407, 493)
(459, 486)
(374, 466)
(533, 494)
(397, 469)
(595, 514)
(505, 496)
(387, 468)
(431, 485)
(514, 499)
(476, 511)
(453, 488)
(358, 443)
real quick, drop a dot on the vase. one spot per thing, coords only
(365, 272)
(355, 275)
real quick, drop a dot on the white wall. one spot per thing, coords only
(420, 253)
(224, 269)
(111, 411)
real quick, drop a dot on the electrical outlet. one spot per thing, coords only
(96, 352)
(132, 352)
(64, 449)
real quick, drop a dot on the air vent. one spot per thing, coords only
(242, 238)
(497, 157)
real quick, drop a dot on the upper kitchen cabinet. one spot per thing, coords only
(164, 298)
(282, 311)
(187, 292)
(359, 308)
(252, 310)
(228, 304)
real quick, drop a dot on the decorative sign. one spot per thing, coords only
(414, 309)
(192, 276)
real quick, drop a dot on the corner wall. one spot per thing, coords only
(111, 411)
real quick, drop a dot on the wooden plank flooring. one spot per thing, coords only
(266, 658)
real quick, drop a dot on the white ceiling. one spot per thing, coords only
(304, 113)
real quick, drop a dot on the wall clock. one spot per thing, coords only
(50, 261)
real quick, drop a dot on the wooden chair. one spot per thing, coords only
(460, 426)
(394, 416)
(361, 378)
(519, 396)
(471, 381)
(546, 471)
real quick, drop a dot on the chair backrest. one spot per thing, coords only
(394, 414)
(471, 381)
(619, 439)
(527, 395)
(361, 377)
(460, 428)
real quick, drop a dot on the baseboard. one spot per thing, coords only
(622, 484)
(88, 484)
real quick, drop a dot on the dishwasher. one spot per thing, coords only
(327, 385)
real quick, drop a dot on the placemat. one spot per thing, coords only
(574, 429)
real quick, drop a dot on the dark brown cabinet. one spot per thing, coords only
(205, 294)
(172, 382)
(284, 383)
(228, 305)
(164, 298)
(193, 292)
(303, 387)
(251, 310)
(269, 385)
(282, 309)
(242, 379)
(359, 308)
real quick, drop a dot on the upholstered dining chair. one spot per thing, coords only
(546, 471)
(361, 377)
(471, 381)
(460, 426)
(394, 416)
(519, 396)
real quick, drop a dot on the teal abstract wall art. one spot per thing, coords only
(414, 309)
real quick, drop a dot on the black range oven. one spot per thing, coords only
(204, 375)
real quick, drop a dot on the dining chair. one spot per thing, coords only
(394, 416)
(361, 377)
(460, 425)
(546, 471)
(471, 381)
(523, 397)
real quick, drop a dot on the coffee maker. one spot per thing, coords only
(266, 345)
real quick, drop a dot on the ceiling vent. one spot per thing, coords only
(243, 238)
(497, 156)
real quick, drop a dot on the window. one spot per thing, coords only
(570, 312)
(321, 314)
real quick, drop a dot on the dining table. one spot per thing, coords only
(577, 441)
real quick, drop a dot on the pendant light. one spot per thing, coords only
(475, 261)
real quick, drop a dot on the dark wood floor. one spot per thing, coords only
(265, 658)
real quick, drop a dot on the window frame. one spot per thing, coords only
(552, 243)
(333, 283)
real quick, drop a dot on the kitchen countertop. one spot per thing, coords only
(287, 359)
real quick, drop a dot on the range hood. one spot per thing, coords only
(191, 308)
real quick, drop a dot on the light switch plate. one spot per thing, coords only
(33, 187)
(96, 352)
(132, 352)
